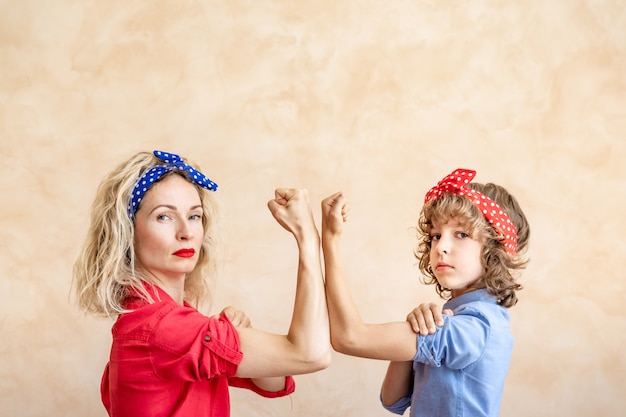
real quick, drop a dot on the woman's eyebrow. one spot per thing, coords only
(164, 205)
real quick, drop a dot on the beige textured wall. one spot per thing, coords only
(377, 98)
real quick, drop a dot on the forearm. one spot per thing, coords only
(345, 321)
(306, 346)
(309, 331)
(397, 382)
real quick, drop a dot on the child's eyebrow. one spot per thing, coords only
(450, 223)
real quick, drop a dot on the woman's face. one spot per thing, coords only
(168, 229)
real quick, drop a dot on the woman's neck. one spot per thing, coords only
(174, 287)
(174, 290)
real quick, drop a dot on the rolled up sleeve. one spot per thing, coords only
(247, 383)
(194, 346)
(400, 406)
(459, 343)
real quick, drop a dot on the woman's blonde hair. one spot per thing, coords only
(498, 277)
(104, 271)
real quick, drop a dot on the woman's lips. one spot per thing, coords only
(185, 253)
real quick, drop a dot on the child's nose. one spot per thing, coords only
(443, 246)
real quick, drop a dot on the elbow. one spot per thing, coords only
(342, 342)
(324, 360)
(323, 357)
(309, 356)
(318, 361)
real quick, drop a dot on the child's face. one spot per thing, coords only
(168, 229)
(455, 256)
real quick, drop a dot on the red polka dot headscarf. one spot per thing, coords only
(455, 183)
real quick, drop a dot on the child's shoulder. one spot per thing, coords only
(489, 312)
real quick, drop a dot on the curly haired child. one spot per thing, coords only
(471, 242)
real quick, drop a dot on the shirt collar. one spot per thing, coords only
(134, 298)
(469, 297)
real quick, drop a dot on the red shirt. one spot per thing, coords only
(171, 360)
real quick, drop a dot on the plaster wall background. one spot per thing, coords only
(378, 99)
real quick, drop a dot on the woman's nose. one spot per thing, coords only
(184, 231)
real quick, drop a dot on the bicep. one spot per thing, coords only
(394, 341)
(268, 355)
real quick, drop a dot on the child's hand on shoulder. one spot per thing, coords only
(426, 317)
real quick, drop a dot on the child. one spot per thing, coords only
(471, 240)
(144, 262)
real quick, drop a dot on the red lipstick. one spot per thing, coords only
(185, 253)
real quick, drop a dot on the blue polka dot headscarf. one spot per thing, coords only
(172, 162)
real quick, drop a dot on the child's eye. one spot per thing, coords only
(462, 235)
(435, 236)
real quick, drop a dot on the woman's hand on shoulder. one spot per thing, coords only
(237, 317)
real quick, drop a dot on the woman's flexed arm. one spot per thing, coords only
(306, 346)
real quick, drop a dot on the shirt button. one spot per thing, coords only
(207, 338)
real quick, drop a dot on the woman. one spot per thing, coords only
(150, 243)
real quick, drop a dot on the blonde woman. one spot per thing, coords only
(145, 260)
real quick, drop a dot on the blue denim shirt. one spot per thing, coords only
(460, 370)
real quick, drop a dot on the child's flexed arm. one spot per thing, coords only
(348, 333)
(343, 314)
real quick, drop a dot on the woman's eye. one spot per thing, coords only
(162, 217)
(195, 217)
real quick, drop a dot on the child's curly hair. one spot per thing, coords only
(498, 266)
